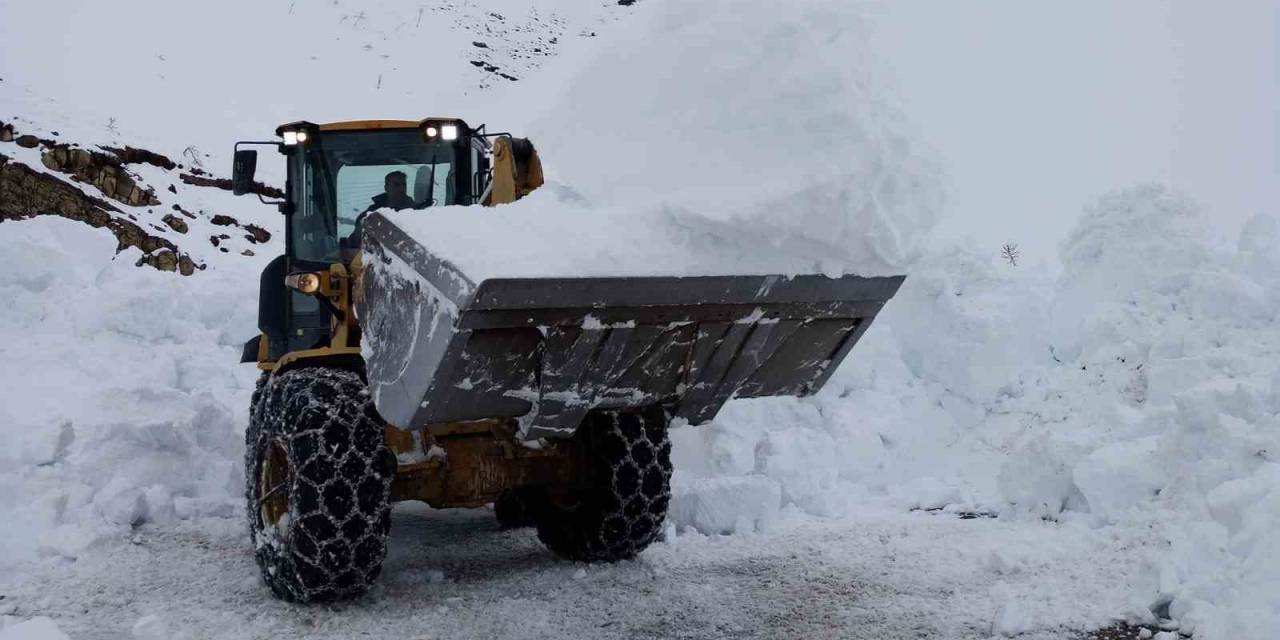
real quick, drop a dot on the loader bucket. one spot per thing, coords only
(441, 348)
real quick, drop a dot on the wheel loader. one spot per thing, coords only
(389, 375)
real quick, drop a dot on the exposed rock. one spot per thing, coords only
(257, 234)
(197, 178)
(100, 170)
(26, 193)
(169, 261)
(175, 223)
(130, 155)
(162, 260)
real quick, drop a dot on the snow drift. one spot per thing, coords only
(1152, 400)
(121, 407)
(1138, 389)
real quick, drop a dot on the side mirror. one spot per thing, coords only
(242, 169)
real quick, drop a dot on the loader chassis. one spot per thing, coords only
(549, 397)
(320, 328)
(483, 460)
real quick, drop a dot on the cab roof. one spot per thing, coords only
(366, 125)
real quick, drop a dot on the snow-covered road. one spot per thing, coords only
(452, 574)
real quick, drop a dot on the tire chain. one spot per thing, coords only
(339, 486)
(633, 454)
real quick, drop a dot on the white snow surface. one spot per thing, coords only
(123, 410)
(689, 155)
(1122, 418)
(38, 628)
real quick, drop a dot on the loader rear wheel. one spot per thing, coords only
(622, 511)
(513, 508)
(317, 484)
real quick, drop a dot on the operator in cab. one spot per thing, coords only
(395, 194)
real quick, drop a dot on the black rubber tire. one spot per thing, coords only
(513, 508)
(338, 485)
(622, 512)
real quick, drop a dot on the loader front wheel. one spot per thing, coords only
(622, 510)
(318, 485)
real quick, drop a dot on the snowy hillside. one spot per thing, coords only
(1010, 451)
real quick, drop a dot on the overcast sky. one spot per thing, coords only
(1036, 108)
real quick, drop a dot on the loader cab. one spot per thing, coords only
(336, 174)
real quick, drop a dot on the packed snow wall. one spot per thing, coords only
(1138, 388)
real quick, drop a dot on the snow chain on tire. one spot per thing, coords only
(622, 513)
(336, 485)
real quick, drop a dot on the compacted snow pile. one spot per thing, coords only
(1138, 390)
(123, 404)
(682, 152)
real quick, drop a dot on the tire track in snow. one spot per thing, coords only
(452, 574)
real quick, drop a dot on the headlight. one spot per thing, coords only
(449, 132)
(304, 282)
(294, 137)
(431, 132)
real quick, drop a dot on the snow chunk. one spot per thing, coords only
(151, 627)
(1120, 476)
(741, 504)
(803, 462)
(121, 503)
(1038, 476)
(39, 628)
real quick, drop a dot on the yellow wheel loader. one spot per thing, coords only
(389, 375)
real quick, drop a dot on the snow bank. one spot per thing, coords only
(1140, 389)
(124, 404)
(685, 153)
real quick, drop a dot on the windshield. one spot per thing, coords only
(344, 176)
